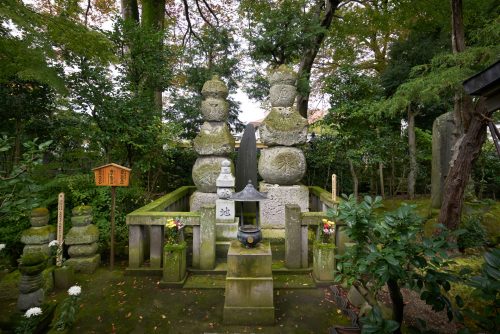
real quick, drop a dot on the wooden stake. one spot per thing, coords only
(60, 229)
(113, 201)
(334, 188)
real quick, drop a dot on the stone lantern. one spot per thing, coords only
(248, 234)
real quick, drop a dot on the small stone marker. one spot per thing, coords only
(60, 229)
(224, 209)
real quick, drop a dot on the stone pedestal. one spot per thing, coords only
(249, 285)
(199, 199)
(323, 263)
(272, 210)
(174, 265)
(63, 277)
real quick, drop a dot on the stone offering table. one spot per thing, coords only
(249, 285)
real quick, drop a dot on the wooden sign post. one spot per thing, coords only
(60, 229)
(112, 175)
(334, 188)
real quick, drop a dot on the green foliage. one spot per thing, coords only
(19, 192)
(474, 235)
(392, 247)
(68, 312)
(375, 323)
(487, 290)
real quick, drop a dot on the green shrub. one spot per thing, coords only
(475, 234)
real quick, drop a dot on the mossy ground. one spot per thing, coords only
(114, 303)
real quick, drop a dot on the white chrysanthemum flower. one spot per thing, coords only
(75, 290)
(34, 311)
(2, 246)
(54, 243)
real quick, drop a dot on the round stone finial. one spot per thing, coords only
(283, 75)
(215, 88)
(225, 163)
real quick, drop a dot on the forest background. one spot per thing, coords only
(74, 96)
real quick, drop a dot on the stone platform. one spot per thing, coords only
(249, 285)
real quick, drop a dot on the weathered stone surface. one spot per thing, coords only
(31, 283)
(225, 178)
(199, 199)
(224, 210)
(39, 212)
(282, 165)
(249, 285)
(63, 277)
(43, 248)
(272, 210)
(174, 264)
(283, 126)
(225, 231)
(81, 220)
(214, 139)
(39, 221)
(323, 262)
(293, 237)
(82, 235)
(205, 173)
(82, 210)
(38, 235)
(48, 279)
(214, 109)
(82, 250)
(207, 237)
(442, 144)
(215, 88)
(283, 75)
(282, 95)
(85, 265)
(355, 298)
(33, 299)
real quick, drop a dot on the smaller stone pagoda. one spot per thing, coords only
(82, 240)
(40, 234)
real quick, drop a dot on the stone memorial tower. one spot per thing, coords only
(213, 144)
(282, 165)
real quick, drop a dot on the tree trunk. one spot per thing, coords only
(354, 179)
(412, 148)
(381, 175)
(460, 168)
(324, 13)
(397, 302)
(130, 10)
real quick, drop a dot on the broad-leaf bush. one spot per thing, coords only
(390, 248)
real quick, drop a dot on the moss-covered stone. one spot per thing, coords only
(323, 262)
(32, 259)
(33, 269)
(214, 139)
(38, 235)
(214, 88)
(63, 277)
(82, 250)
(81, 220)
(39, 212)
(39, 221)
(82, 210)
(283, 126)
(283, 75)
(205, 173)
(82, 235)
(86, 265)
(215, 109)
(48, 279)
(282, 95)
(282, 165)
(43, 248)
(174, 262)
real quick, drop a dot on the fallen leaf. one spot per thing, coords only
(128, 315)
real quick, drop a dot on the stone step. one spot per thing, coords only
(280, 281)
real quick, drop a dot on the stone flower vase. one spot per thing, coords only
(174, 264)
(323, 263)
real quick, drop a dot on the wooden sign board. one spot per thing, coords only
(112, 175)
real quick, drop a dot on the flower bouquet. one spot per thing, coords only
(174, 232)
(326, 232)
